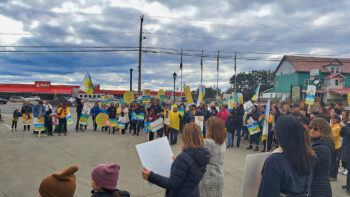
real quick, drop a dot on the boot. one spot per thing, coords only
(256, 148)
(249, 147)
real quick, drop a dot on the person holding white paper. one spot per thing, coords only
(187, 169)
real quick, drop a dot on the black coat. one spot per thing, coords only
(320, 185)
(186, 172)
(239, 112)
(230, 124)
(345, 149)
(278, 176)
(157, 109)
(79, 106)
(112, 112)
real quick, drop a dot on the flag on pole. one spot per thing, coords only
(256, 93)
(217, 62)
(181, 61)
(235, 63)
(266, 125)
(201, 95)
(202, 62)
(86, 86)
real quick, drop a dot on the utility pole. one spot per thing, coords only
(131, 78)
(202, 68)
(140, 52)
(217, 77)
(235, 73)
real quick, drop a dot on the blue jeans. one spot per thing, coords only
(255, 138)
(238, 130)
(229, 139)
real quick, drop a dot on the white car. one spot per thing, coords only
(70, 99)
(33, 99)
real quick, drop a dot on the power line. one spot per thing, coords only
(167, 50)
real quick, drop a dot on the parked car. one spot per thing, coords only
(70, 99)
(33, 99)
(3, 101)
(17, 99)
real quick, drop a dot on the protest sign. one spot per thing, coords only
(310, 94)
(101, 119)
(146, 96)
(188, 95)
(161, 164)
(113, 122)
(252, 174)
(199, 120)
(156, 125)
(39, 124)
(69, 118)
(128, 97)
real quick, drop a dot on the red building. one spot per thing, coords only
(46, 90)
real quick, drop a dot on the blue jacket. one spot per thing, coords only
(36, 111)
(95, 111)
(186, 172)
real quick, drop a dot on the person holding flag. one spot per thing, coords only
(253, 117)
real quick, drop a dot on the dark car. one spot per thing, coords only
(3, 101)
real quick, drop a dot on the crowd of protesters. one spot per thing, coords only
(310, 147)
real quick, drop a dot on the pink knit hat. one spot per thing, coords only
(106, 175)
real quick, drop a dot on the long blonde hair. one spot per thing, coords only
(191, 136)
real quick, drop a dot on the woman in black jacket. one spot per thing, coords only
(323, 145)
(288, 169)
(187, 169)
(230, 126)
(345, 149)
(239, 112)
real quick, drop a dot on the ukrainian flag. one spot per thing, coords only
(86, 86)
(256, 93)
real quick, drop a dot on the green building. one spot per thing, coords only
(294, 71)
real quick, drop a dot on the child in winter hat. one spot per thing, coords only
(104, 179)
(59, 184)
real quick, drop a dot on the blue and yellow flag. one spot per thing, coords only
(256, 93)
(86, 86)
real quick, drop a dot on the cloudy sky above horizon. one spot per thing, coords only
(261, 32)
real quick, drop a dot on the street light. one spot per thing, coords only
(174, 75)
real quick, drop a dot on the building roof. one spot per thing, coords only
(306, 64)
(45, 87)
(340, 91)
(334, 75)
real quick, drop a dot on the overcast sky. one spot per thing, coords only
(260, 31)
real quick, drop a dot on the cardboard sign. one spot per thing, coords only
(310, 94)
(188, 95)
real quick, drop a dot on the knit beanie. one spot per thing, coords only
(106, 175)
(59, 184)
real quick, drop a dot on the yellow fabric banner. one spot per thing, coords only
(188, 95)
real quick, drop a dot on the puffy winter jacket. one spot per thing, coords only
(186, 173)
(320, 185)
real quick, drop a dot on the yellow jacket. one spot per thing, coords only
(63, 112)
(336, 135)
(270, 119)
(175, 120)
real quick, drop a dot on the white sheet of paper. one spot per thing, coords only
(252, 174)
(156, 156)
(199, 120)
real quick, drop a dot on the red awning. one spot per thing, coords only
(341, 91)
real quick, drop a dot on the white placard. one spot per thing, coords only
(160, 164)
(156, 125)
(252, 174)
(199, 120)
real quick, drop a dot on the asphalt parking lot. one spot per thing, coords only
(26, 159)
